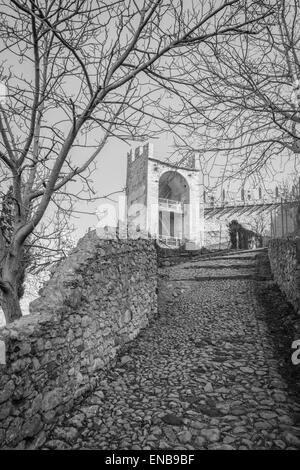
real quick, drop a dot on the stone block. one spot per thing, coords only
(5, 410)
(51, 399)
(6, 393)
(32, 426)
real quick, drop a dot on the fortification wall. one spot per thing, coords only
(284, 256)
(98, 300)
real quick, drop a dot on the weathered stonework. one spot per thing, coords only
(284, 256)
(98, 299)
(144, 174)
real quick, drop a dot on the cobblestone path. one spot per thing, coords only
(204, 375)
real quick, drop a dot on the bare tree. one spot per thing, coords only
(241, 101)
(46, 246)
(77, 73)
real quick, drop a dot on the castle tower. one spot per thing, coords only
(164, 199)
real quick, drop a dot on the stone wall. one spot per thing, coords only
(284, 256)
(98, 299)
(171, 256)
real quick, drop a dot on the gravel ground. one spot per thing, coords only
(205, 375)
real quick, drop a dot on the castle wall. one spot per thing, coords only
(98, 300)
(137, 170)
(284, 256)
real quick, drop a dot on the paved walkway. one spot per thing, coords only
(203, 376)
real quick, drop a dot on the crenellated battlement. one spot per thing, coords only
(146, 152)
(142, 151)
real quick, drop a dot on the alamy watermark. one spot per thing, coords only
(295, 96)
(142, 218)
(296, 354)
(3, 93)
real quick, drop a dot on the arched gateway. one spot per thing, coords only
(173, 193)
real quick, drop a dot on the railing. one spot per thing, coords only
(248, 202)
(168, 204)
(171, 241)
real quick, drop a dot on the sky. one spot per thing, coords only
(110, 174)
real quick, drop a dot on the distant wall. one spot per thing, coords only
(98, 299)
(286, 220)
(284, 256)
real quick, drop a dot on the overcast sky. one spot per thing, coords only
(110, 174)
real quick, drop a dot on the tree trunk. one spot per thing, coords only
(10, 305)
(11, 273)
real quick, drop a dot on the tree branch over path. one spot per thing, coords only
(240, 100)
(81, 73)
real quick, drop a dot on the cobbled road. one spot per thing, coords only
(204, 375)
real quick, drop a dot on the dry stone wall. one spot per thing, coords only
(98, 300)
(284, 256)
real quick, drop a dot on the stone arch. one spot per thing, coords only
(174, 186)
(174, 197)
